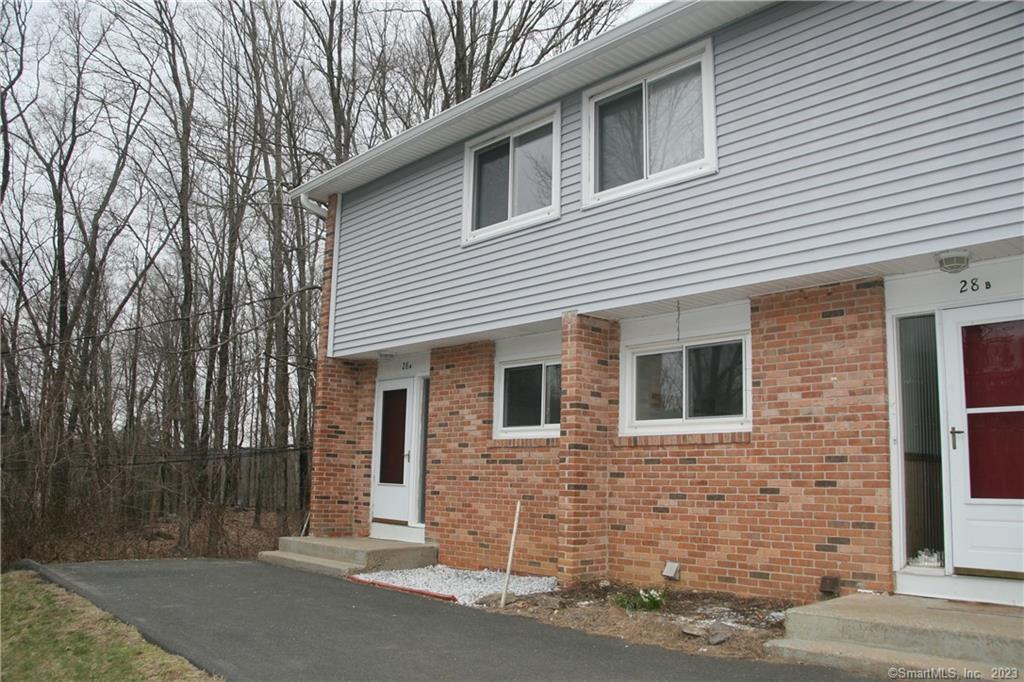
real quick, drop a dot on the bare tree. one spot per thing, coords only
(473, 45)
(160, 298)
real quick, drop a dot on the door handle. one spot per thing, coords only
(408, 455)
(953, 433)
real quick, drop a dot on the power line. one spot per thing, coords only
(224, 454)
(149, 325)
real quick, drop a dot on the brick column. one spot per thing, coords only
(588, 418)
(342, 426)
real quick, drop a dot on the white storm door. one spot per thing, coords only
(984, 372)
(392, 450)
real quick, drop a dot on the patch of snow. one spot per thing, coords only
(466, 586)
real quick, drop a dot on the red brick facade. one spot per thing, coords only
(804, 495)
(342, 428)
(473, 481)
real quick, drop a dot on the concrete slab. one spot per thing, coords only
(874, 633)
(302, 562)
(370, 553)
(250, 621)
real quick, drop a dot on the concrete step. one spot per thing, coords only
(369, 553)
(311, 564)
(873, 661)
(931, 627)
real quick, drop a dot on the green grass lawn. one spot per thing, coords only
(47, 633)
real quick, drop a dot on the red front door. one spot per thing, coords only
(985, 400)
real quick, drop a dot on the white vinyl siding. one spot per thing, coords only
(848, 134)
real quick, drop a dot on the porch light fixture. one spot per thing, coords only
(954, 261)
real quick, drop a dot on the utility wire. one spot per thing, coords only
(260, 452)
(149, 325)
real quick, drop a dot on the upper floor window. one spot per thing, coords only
(511, 177)
(651, 127)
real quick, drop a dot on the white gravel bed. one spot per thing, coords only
(466, 586)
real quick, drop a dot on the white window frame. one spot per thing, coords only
(697, 53)
(663, 333)
(732, 424)
(541, 431)
(552, 115)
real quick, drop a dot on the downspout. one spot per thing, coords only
(313, 207)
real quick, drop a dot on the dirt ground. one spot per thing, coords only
(708, 623)
(241, 539)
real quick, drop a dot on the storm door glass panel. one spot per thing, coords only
(553, 394)
(532, 171)
(922, 448)
(523, 395)
(659, 386)
(392, 437)
(490, 192)
(994, 394)
(715, 380)
(675, 133)
(620, 139)
(994, 364)
(996, 443)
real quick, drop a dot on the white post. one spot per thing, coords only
(511, 549)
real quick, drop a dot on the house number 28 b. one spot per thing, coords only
(973, 284)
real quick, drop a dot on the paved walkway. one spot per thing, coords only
(249, 621)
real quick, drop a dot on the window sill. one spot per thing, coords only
(668, 440)
(686, 429)
(470, 237)
(527, 434)
(526, 442)
(682, 174)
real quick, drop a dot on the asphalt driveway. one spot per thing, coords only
(249, 621)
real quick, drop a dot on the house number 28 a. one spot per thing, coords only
(973, 285)
(406, 364)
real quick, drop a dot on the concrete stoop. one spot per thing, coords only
(868, 633)
(340, 557)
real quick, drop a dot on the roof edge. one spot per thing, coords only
(583, 51)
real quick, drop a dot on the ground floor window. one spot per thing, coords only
(529, 398)
(688, 386)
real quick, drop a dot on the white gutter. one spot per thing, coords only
(313, 207)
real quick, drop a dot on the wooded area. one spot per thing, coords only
(160, 296)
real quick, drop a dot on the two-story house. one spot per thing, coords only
(736, 285)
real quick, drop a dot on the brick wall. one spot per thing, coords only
(342, 427)
(473, 481)
(806, 494)
(587, 425)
